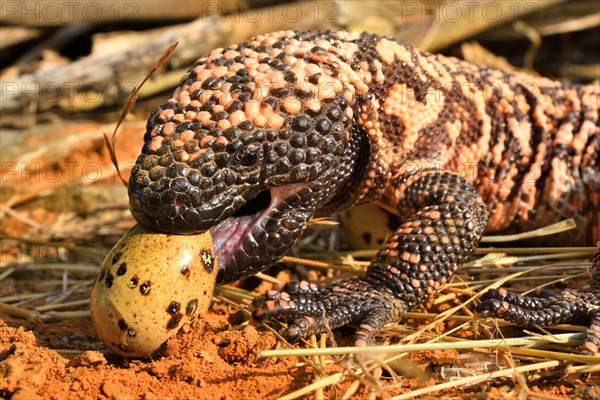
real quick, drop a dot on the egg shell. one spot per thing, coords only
(367, 226)
(149, 286)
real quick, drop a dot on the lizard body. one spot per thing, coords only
(263, 135)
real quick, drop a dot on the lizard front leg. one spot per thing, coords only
(443, 220)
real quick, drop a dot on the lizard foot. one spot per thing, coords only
(547, 308)
(313, 309)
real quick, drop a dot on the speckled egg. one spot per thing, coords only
(149, 286)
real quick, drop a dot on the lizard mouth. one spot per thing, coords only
(230, 235)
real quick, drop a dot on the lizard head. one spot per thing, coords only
(251, 186)
(257, 137)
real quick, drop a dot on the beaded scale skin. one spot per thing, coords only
(264, 135)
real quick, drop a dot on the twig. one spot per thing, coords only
(131, 99)
(18, 311)
(18, 216)
(75, 303)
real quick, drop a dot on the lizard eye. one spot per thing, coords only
(250, 156)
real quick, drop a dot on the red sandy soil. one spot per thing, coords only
(217, 360)
(208, 363)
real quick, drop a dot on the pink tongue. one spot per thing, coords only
(229, 234)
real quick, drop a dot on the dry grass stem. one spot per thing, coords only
(552, 229)
(471, 344)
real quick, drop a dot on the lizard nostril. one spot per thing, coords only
(178, 204)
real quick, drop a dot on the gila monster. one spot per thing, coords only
(263, 135)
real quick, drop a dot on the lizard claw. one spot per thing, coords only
(312, 309)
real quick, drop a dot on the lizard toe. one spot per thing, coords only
(497, 302)
(591, 345)
(305, 326)
(283, 293)
(286, 301)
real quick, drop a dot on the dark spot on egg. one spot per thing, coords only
(122, 324)
(191, 307)
(133, 282)
(109, 280)
(208, 260)
(131, 333)
(367, 238)
(122, 269)
(174, 321)
(116, 257)
(101, 276)
(185, 270)
(173, 307)
(124, 348)
(145, 288)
